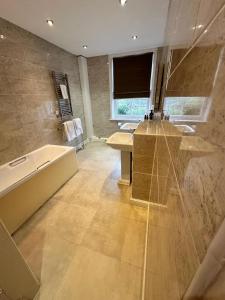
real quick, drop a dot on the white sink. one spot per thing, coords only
(185, 129)
(124, 142)
(129, 126)
(121, 141)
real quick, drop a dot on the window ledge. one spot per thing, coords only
(187, 121)
(126, 120)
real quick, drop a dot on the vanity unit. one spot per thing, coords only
(146, 158)
(155, 143)
(151, 161)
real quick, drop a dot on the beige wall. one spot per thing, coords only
(98, 72)
(171, 256)
(201, 63)
(200, 181)
(185, 174)
(200, 172)
(27, 96)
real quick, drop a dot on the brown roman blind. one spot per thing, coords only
(132, 75)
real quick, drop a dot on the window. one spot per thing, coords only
(132, 108)
(186, 108)
(131, 81)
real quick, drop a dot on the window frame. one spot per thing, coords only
(152, 85)
(202, 117)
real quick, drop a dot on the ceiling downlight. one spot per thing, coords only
(50, 22)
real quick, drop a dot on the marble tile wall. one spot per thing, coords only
(199, 173)
(199, 159)
(151, 163)
(27, 96)
(200, 63)
(143, 157)
(172, 259)
(98, 72)
(191, 199)
(188, 19)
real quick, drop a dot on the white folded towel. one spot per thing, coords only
(78, 126)
(63, 89)
(69, 131)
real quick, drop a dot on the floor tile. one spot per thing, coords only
(87, 241)
(95, 276)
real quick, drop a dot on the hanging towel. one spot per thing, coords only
(63, 89)
(78, 126)
(69, 130)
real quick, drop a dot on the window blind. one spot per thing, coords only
(131, 76)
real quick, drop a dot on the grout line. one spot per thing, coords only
(183, 205)
(147, 230)
(145, 258)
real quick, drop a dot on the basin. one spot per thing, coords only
(129, 126)
(124, 142)
(121, 141)
(185, 129)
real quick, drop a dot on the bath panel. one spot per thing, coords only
(20, 200)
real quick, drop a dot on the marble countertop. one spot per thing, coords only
(194, 144)
(157, 128)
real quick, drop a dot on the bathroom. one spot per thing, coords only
(112, 129)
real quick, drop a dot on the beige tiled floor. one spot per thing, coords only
(87, 242)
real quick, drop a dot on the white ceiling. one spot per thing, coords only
(103, 25)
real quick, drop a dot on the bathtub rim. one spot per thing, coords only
(8, 189)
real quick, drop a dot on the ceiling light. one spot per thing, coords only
(85, 47)
(50, 22)
(123, 2)
(134, 37)
(2, 36)
(197, 26)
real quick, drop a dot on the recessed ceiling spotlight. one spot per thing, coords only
(197, 26)
(2, 36)
(85, 47)
(134, 37)
(50, 22)
(123, 2)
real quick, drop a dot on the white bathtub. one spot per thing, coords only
(27, 182)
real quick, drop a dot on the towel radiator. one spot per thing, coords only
(64, 105)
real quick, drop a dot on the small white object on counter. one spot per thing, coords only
(129, 126)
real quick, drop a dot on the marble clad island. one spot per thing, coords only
(152, 164)
(151, 160)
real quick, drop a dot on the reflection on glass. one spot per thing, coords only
(131, 107)
(188, 108)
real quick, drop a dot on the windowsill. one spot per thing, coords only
(186, 121)
(175, 120)
(126, 120)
